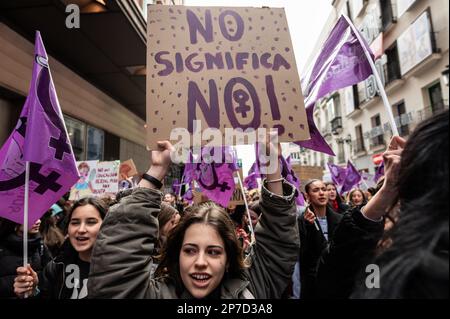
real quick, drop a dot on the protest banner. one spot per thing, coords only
(96, 179)
(226, 67)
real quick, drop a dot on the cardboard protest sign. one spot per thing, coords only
(237, 199)
(96, 179)
(127, 169)
(227, 67)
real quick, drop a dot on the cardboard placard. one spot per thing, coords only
(227, 67)
(127, 169)
(96, 179)
(237, 199)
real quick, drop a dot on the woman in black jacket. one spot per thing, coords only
(65, 277)
(11, 253)
(415, 263)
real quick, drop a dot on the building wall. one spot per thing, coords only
(411, 88)
(77, 97)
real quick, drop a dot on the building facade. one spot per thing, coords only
(410, 39)
(98, 70)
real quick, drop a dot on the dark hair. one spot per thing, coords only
(338, 196)
(256, 207)
(97, 203)
(165, 214)
(7, 227)
(309, 183)
(350, 195)
(208, 214)
(416, 264)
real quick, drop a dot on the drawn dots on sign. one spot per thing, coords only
(287, 82)
(276, 39)
(179, 11)
(250, 28)
(174, 122)
(250, 19)
(155, 130)
(302, 126)
(178, 112)
(294, 90)
(262, 17)
(263, 28)
(156, 112)
(296, 107)
(291, 135)
(284, 99)
(179, 95)
(280, 128)
(291, 119)
(287, 49)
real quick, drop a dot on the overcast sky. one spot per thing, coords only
(306, 19)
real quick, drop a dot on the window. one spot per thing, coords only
(402, 119)
(95, 143)
(377, 133)
(77, 135)
(436, 99)
(359, 139)
(392, 68)
(112, 147)
(341, 152)
(387, 15)
(87, 141)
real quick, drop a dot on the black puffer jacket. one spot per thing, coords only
(11, 257)
(53, 276)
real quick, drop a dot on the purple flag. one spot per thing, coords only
(189, 195)
(40, 137)
(338, 174)
(342, 62)
(216, 180)
(251, 181)
(352, 178)
(288, 173)
(176, 186)
(379, 172)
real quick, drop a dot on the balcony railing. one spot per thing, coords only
(429, 111)
(358, 146)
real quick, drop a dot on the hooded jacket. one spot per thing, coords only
(121, 260)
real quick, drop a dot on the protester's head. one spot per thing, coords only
(169, 198)
(85, 219)
(201, 251)
(168, 218)
(416, 264)
(356, 197)
(316, 193)
(255, 213)
(332, 192)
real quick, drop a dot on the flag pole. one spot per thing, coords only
(25, 215)
(25, 218)
(378, 81)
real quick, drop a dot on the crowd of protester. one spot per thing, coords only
(146, 244)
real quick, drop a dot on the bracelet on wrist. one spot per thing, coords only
(154, 181)
(274, 180)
